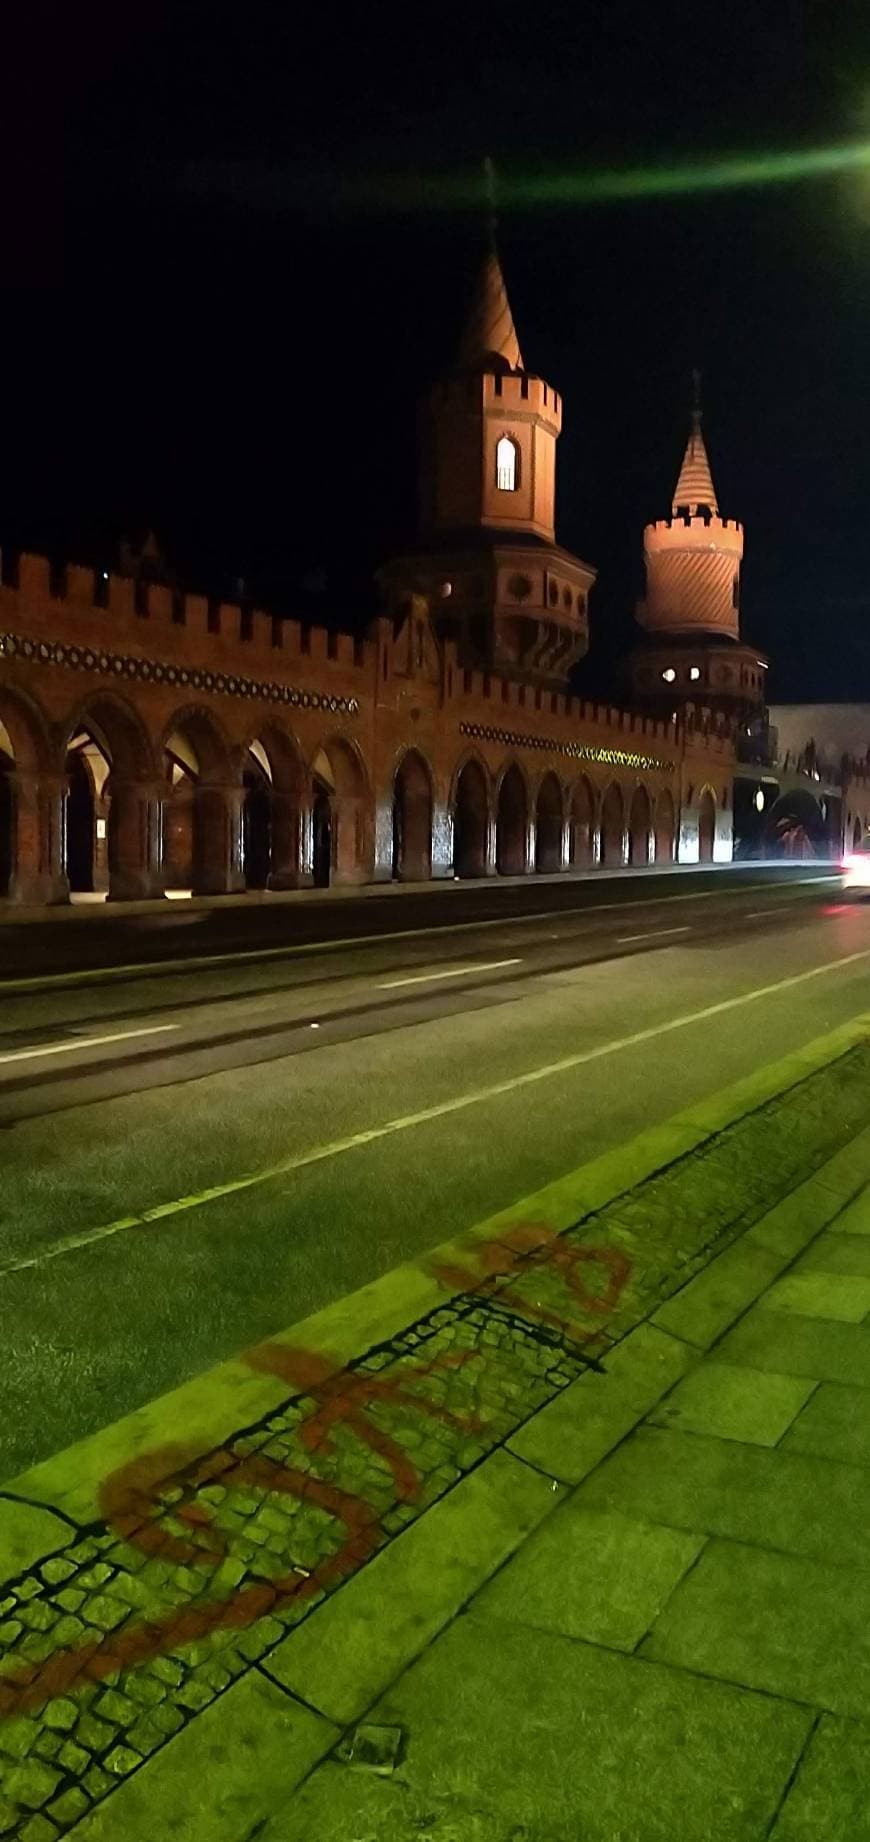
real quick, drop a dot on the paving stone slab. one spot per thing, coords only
(777, 1622)
(519, 1734)
(830, 1797)
(347, 1651)
(805, 1506)
(731, 1403)
(576, 1430)
(834, 1424)
(795, 1221)
(221, 1776)
(709, 1303)
(855, 1218)
(793, 1345)
(591, 1574)
(837, 1253)
(842, 1296)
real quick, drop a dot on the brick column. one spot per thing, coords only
(37, 838)
(134, 840)
(287, 870)
(217, 839)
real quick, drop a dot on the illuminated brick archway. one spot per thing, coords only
(470, 820)
(512, 823)
(412, 819)
(613, 828)
(548, 826)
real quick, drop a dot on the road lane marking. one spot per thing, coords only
(86, 1042)
(455, 972)
(355, 1140)
(656, 933)
(756, 914)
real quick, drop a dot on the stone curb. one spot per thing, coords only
(216, 1404)
(12, 915)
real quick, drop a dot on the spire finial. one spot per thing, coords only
(695, 486)
(490, 338)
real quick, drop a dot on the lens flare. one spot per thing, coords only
(578, 185)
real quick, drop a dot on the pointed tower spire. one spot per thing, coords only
(695, 485)
(489, 341)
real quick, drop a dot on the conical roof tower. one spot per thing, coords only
(489, 341)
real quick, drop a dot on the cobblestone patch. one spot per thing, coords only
(199, 1568)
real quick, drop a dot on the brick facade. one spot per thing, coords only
(222, 728)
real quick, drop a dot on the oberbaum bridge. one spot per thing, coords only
(157, 742)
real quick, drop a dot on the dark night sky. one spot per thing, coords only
(230, 350)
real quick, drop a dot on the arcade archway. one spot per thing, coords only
(612, 829)
(795, 826)
(706, 826)
(111, 831)
(470, 821)
(639, 828)
(412, 819)
(341, 849)
(665, 826)
(581, 831)
(202, 820)
(7, 811)
(511, 825)
(548, 826)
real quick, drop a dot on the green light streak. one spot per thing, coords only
(583, 186)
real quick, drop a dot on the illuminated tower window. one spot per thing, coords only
(507, 465)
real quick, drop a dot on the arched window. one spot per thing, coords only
(507, 464)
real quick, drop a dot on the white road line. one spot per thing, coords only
(756, 914)
(455, 972)
(355, 1140)
(86, 1042)
(656, 933)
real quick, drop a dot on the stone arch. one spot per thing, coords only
(112, 829)
(795, 826)
(549, 825)
(202, 820)
(25, 764)
(470, 808)
(276, 787)
(511, 822)
(25, 734)
(706, 825)
(665, 827)
(412, 818)
(341, 822)
(581, 825)
(639, 827)
(612, 852)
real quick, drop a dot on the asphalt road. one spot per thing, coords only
(100, 936)
(197, 1155)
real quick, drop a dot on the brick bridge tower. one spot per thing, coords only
(692, 657)
(489, 566)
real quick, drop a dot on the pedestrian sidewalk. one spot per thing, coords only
(563, 1532)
